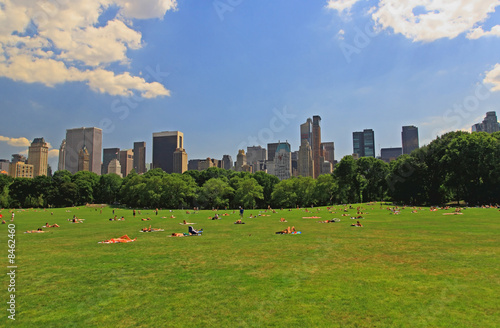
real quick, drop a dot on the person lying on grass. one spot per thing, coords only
(192, 231)
(216, 217)
(239, 222)
(287, 231)
(177, 234)
(55, 225)
(39, 230)
(76, 220)
(283, 220)
(122, 239)
(357, 224)
(147, 219)
(329, 221)
(186, 223)
(146, 229)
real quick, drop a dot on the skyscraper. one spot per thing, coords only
(256, 156)
(140, 157)
(306, 163)
(369, 142)
(271, 150)
(126, 161)
(363, 143)
(62, 153)
(241, 160)
(38, 156)
(83, 159)
(227, 162)
(114, 167)
(283, 161)
(490, 124)
(109, 154)
(164, 145)
(76, 140)
(409, 138)
(180, 161)
(328, 151)
(306, 132)
(316, 144)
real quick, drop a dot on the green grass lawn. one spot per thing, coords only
(421, 269)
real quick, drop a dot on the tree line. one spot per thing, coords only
(457, 166)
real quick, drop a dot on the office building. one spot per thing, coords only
(241, 160)
(364, 143)
(109, 154)
(61, 164)
(328, 149)
(114, 167)
(256, 156)
(180, 161)
(227, 162)
(306, 132)
(390, 154)
(490, 124)
(140, 157)
(305, 163)
(164, 145)
(4, 166)
(38, 156)
(326, 166)
(126, 161)
(271, 150)
(316, 144)
(83, 160)
(21, 170)
(409, 138)
(283, 161)
(87, 140)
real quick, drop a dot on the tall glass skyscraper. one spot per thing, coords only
(363, 143)
(409, 138)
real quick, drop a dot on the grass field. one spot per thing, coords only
(421, 269)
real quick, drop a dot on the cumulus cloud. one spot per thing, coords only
(429, 20)
(54, 153)
(479, 32)
(493, 77)
(341, 5)
(16, 142)
(53, 42)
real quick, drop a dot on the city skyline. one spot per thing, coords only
(246, 76)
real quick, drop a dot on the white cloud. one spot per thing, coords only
(479, 32)
(429, 20)
(341, 5)
(340, 35)
(493, 77)
(54, 153)
(16, 142)
(53, 42)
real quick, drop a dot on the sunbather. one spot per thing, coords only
(193, 231)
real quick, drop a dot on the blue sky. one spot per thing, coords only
(237, 73)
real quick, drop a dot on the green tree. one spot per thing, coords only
(215, 193)
(346, 177)
(248, 192)
(324, 190)
(108, 188)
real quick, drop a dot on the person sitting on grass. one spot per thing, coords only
(216, 217)
(357, 224)
(283, 220)
(3, 222)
